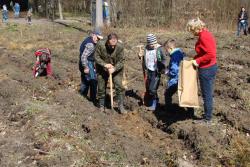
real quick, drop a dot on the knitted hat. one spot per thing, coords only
(151, 39)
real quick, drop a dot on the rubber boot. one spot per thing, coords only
(101, 105)
(153, 106)
(121, 105)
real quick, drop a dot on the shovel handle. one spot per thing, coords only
(111, 91)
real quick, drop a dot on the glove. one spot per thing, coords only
(195, 63)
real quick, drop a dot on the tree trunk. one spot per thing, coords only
(84, 5)
(46, 9)
(113, 12)
(35, 6)
(60, 9)
(99, 16)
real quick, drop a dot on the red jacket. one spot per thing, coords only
(38, 53)
(205, 49)
(48, 69)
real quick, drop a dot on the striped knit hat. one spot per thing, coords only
(151, 39)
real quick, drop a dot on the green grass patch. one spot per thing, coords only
(114, 156)
(34, 108)
(12, 27)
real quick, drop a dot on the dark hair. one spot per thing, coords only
(112, 35)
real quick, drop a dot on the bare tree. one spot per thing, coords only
(172, 13)
(60, 9)
(99, 16)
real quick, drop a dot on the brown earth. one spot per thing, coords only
(45, 122)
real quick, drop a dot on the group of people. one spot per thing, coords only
(100, 58)
(16, 10)
(97, 60)
(5, 14)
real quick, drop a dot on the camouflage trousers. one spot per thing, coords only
(117, 81)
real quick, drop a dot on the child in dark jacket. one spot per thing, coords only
(176, 56)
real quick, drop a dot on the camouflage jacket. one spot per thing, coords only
(102, 57)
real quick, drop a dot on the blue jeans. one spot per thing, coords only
(5, 16)
(207, 77)
(242, 25)
(89, 81)
(16, 14)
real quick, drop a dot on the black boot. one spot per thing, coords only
(121, 105)
(245, 32)
(190, 112)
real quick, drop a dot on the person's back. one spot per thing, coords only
(17, 7)
(16, 10)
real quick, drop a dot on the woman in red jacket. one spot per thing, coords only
(205, 61)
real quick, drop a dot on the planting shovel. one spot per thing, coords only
(141, 57)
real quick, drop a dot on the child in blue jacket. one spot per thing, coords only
(176, 56)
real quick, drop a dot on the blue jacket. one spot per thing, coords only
(17, 7)
(176, 56)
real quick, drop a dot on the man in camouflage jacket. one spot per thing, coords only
(109, 58)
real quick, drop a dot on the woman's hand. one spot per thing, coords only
(195, 64)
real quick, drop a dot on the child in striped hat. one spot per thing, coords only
(153, 63)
